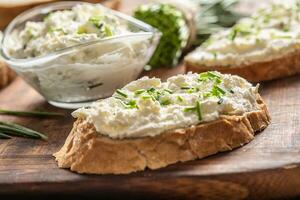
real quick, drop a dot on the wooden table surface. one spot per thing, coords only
(268, 167)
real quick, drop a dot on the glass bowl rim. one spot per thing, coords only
(146, 28)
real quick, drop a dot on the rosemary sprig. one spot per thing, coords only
(9, 128)
(30, 113)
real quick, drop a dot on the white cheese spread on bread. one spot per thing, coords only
(148, 107)
(268, 34)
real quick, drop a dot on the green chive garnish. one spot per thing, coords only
(121, 93)
(30, 113)
(220, 90)
(220, 101)
(209, 76)
(165, 102)
(169, 91)
(179, 98)
(189, 109)
(4, 136)
(185, 87)
(198, 109)
(138, 92)
(18, 130)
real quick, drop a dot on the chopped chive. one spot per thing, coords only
(155, 95)
(211, 74)
(151, 89)
(281, 37)
(30, 113)
(4, 136)
(217, 91)
(189, 109)
(81, 30)
(169, 91)
(165, 102)
(207, 94)
(118, 91)
(185, 88)
(220, 101)
(233, 34)
(179, 98)
(108, 31)
(15, 129)
(138, 92)
(96, 20)
(220, 90)
(198, 109)
(190, 89)
(146, 97)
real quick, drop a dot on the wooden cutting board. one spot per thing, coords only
(268, 167)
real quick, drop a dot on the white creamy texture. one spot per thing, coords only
(61, 29)
(148, 107)
(89, 72)
(270, 33)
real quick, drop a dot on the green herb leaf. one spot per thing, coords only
(220, 101)
(97, 21)
(130, 104)
(217, 91)
(31, 113)
(108, 31)
(179, 98)
(165, 102)
(138, 92)
(15, 129)
(119, 92)
(198, 109)
(205, 76)
(4, 136)
(81, 30)
(169, 91)
(189, 109)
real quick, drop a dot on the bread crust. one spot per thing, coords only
(284, 66)
(6, 74)
(86, 151)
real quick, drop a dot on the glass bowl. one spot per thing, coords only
(75, 76)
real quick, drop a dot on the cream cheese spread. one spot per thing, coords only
(61, 29)
(270, 33)
(106, 51)
(148, 107)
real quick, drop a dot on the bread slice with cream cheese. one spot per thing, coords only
(262, 47)
(152, 124)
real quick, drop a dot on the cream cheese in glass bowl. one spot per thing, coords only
(74, 53)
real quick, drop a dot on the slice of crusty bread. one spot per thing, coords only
(86, 151)
(284, 66)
